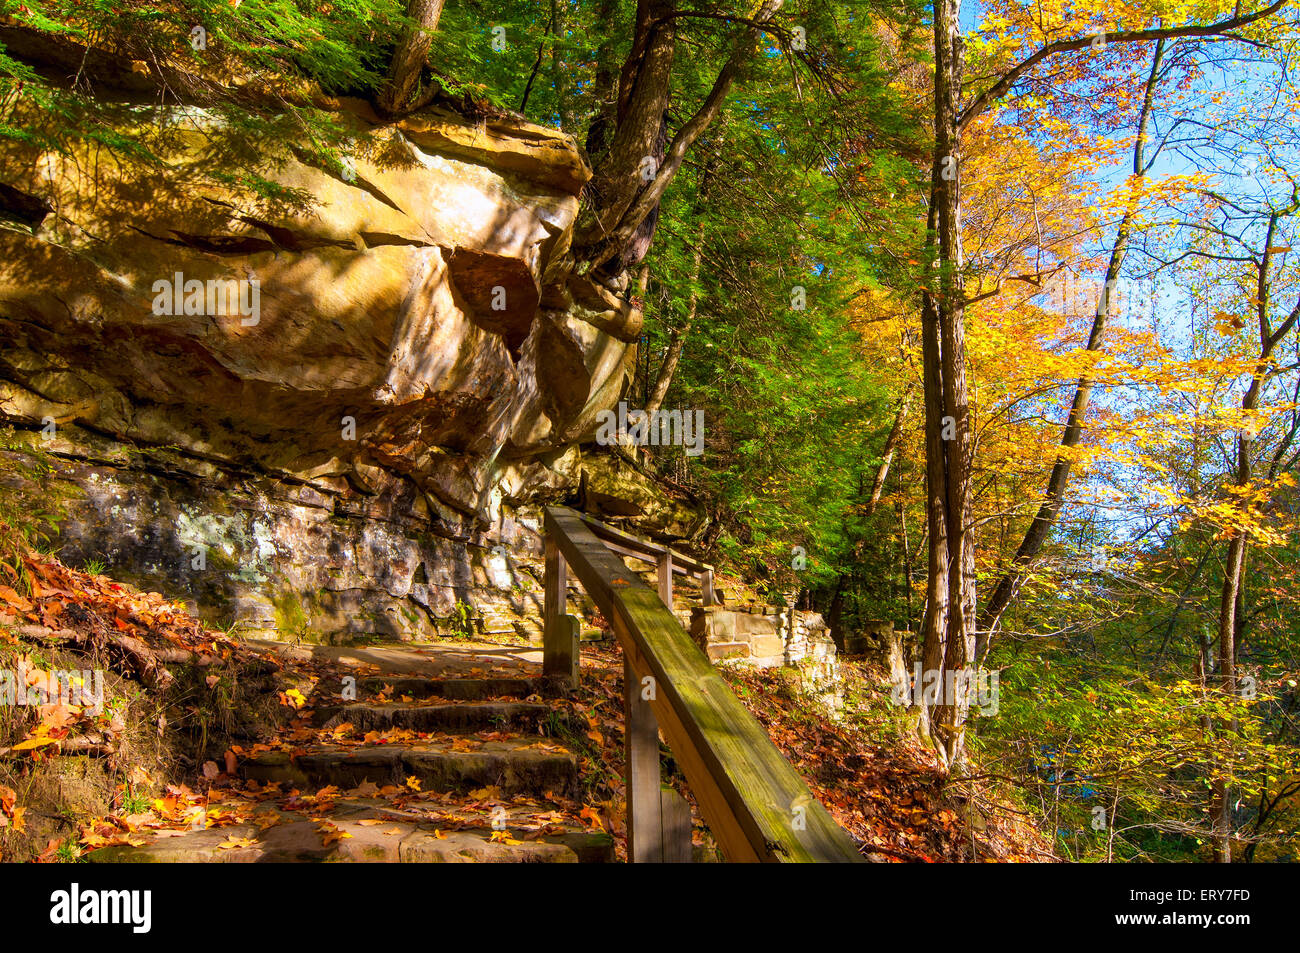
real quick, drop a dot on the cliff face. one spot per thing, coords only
(319, 414)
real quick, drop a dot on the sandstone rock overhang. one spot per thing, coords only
(423, 361)
(424, 295)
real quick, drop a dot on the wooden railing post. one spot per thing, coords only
(658, 818)
(756, 805)
(707, 595)
(676, 819)
(665, 565)
(641, 743)
(559, 630)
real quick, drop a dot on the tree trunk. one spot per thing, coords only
(677, 341)
(552, 30)
(934, 625)
(620, 199)
(948, 627)
(560, 71)
(887, 455)
(644, 87)
(664, 379)
(1054, 496)
(1231, 600)
(403, 83)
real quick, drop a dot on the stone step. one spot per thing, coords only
(528, 765)
(462, 717)
(455, 689)
(723, 650)
(402, 836)
(514, 628)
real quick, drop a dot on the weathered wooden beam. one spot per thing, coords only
(641, 548)
(753, 800)
(641, 750)
(665, 568)
(707, 595)
(559, 634)
(623, 550)
(676, 815)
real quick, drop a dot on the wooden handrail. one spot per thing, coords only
(637, 546)
(669, 561)
(754, 802)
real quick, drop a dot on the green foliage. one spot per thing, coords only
(794, 187)
(461, 621)
(272, 54)
(341, 46)
(1121, 764)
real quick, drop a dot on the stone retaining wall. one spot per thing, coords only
(769, 638)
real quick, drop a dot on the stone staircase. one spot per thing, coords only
(470, 778)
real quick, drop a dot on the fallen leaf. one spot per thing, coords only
(293, 697)
(331, 834)
(11, 596)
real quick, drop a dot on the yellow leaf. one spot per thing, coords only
(295, 698)
(331, 834)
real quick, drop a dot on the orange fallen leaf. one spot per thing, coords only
(11, 596)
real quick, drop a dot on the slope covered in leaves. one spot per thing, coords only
(186, 707)
(878, 783)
